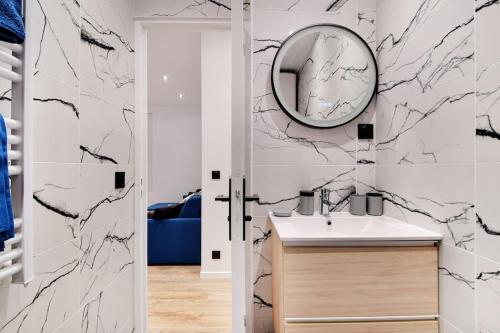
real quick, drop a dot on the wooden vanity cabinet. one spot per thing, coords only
(321, 289)
(366, 327)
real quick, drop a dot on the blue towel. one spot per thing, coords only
(11, 21)
(6, 215)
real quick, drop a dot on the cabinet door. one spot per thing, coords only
(382, 327)
(360, 281)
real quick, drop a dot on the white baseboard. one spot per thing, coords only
(215, 275)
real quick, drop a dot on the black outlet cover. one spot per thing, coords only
(215, 254)
(216, 174)
(365, 131)
(119, 180)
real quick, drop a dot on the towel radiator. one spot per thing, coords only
(16, 261)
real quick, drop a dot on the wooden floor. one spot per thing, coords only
(180, 302)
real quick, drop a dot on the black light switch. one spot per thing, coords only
(215, 254)
(216, 174)
(119, 180)
(365, 131)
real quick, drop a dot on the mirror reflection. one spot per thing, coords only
(324, 76)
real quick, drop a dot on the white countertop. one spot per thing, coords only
(347, 228)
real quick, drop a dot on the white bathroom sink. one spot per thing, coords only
(347, 228)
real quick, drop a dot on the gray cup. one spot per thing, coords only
(306, 203)
(374, 204)
(358, 204)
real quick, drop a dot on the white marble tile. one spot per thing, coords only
(430, 40)
(262, 244)
(488, 85)
(100, 202)
(280, 140)
(262, 294)
(55, 204)
(415, 130)
(488, 211)
(64, 64)
(456, 287)
(124, 207)
(487, 43)
(263, 325)
(107, 87)
(262, 269)
(49, 300)
(184, 8)
(446, 327)
(365, 178)
(436, 197)
(330, 6)
(366, 148)
(365, 152)
(488, 114)
(72, 325)
(110, 21)
(129, 326)
(279, 186)
(488, 295)
(56, 117)
(107, 52)
(56, 28)
(425, 81)
(96, 195)
(106, 253)
(111, 309)
(106, 132)
(367, 22)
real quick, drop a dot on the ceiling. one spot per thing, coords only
(176, 54)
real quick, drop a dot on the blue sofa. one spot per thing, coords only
(176, 241)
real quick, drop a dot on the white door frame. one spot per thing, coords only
(142, 25)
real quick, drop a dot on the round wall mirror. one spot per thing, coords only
(324, 76)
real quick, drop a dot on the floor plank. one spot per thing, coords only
(180, 302)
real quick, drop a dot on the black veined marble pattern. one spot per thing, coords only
(83, 86)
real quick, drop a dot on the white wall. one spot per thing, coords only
(216, 149)
(174, 152)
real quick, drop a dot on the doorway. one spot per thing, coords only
(235, 203)
(189, 164)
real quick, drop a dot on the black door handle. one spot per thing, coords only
(253, 197)
(223, 198)
(246, 218)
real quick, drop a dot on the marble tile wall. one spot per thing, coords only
(287, 156)
(437, 149)
(183, 8)
(83, 134)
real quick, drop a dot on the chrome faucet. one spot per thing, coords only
(325, 204)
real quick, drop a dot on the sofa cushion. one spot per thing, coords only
(191, 208)
(161, 205)
(167, 212)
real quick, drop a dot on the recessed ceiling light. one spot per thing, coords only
(164, 78)
(181, 95)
